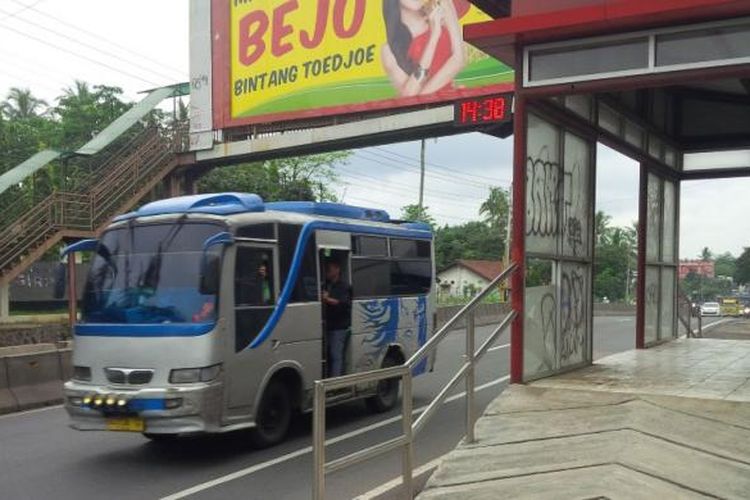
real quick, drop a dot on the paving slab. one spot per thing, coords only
(662, 422)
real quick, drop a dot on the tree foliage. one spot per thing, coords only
(615, 259)
(415, 213)
(302, 178)
(473, 240)
(742, 272)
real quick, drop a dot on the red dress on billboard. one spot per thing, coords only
(443, 52)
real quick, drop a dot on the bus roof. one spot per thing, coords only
(239, 203)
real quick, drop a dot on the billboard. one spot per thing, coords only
(276, 60)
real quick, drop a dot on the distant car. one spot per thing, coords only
(710, 309)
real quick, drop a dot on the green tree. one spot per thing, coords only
(415, 213)
(725, 265)
(303, 178)
(742, 272)
(706, 254)
(473, 240)
(21, 104)
(602, 223)
(495, 209)
(84, 110)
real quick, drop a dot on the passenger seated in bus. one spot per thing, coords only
(337, 302)
(265, 285)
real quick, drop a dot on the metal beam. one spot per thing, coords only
(494, 8)
(403, 127)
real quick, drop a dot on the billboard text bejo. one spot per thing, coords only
(313, 57)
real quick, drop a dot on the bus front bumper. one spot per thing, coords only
(194, 409)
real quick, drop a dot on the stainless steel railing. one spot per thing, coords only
(411, 427)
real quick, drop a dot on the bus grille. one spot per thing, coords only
(129, 377)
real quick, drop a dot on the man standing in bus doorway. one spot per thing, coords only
(337, 301)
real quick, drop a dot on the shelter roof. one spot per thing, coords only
(533, 22)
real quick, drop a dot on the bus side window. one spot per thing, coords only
(253, 277)
(306, 288)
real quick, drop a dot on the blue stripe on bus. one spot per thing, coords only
(304, 236)
(143, 330)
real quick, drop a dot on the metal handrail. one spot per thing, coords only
(404, 372)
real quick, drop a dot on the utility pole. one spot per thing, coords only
(421, 177)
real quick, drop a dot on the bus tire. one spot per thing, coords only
(274, 416)
(386, 394)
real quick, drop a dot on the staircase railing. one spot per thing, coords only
(404, 372)
(99, 196)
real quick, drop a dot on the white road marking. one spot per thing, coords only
(308, 449)
(29, 412)
(397, 481)
(498, 347)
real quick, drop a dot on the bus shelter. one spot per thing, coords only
(666, 83)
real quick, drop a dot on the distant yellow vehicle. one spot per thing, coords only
(731, 306)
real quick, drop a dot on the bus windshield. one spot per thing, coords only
(150, 274)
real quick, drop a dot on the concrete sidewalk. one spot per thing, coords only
(671, 422)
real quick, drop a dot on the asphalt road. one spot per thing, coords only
(40, 457)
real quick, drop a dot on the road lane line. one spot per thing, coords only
(29, 412)
(498, 347)
(308, 449)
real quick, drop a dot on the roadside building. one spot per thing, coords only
(464, 278)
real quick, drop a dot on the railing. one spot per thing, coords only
(685, 314)
(404, 372)
(99, 195)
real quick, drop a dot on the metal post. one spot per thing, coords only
(4, 300)
(72, 292)
(407, 459)
(319, 442)
(470, 377)
(421, 176)
(640, 301)
(518, 242)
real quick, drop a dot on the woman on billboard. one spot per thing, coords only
(425, 48)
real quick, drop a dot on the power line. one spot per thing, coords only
(99, 37)
(80, 56)
(451, 176)
(21, 11)
(387, 162)
(91, 47)
(443, 167)
(369, 178)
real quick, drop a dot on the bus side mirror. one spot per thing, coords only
(211, 263)
(61, 281)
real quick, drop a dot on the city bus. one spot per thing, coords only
(203, 314)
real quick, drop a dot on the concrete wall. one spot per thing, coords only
(33, 333)
(32, 376)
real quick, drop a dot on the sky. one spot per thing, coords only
(140, 44)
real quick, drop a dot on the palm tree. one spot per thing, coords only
(706, 254)
(21, 104)
(601, 227)
(495, 207)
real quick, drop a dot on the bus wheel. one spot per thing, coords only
(274, 416)
(386, 395)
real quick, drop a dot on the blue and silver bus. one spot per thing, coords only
(181, 334)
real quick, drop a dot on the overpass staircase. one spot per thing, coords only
(111, 185)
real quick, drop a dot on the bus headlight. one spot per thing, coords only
(193, 375)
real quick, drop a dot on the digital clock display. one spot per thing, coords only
(484, 110)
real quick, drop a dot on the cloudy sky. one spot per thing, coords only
(140, 44)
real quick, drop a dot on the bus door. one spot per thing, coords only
(255, 293)
(341, 258)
